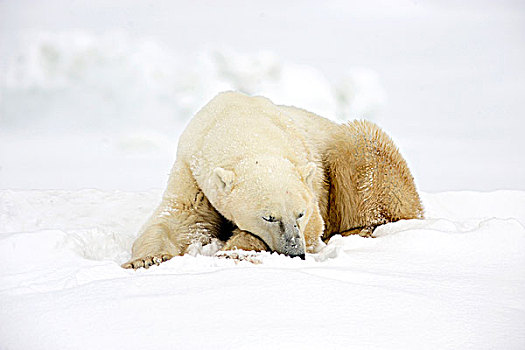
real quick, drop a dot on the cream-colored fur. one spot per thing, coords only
(369, 181)
(274, 178)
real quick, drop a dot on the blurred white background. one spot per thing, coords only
(94, 94)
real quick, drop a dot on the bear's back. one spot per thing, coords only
(233, 125)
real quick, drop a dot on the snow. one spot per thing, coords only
(93, 98)
(139, 76)
(453, 280)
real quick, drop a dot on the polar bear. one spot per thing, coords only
(265, 177)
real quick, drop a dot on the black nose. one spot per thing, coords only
(302, 256)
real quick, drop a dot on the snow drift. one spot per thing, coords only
(453, 280)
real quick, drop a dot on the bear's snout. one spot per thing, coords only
(293, 244)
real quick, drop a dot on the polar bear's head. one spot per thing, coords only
(270, 198)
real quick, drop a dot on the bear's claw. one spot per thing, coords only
(147, 261)
(366, 232)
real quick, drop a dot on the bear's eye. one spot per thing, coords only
(269, 218)
(301, 214)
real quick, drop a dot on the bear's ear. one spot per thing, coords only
(223, 179)
(308, 172)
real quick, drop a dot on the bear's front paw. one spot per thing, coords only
(147, 261)
(240, 255)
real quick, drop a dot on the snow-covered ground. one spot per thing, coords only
(452, 281)
(93, 97)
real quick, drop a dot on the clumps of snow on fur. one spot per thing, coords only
(209, 249)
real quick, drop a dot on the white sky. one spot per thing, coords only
(454, 72)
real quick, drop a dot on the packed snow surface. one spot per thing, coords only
(93, 95)
(452, 281)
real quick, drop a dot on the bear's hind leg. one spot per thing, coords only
(361, 231)
(369, 182)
